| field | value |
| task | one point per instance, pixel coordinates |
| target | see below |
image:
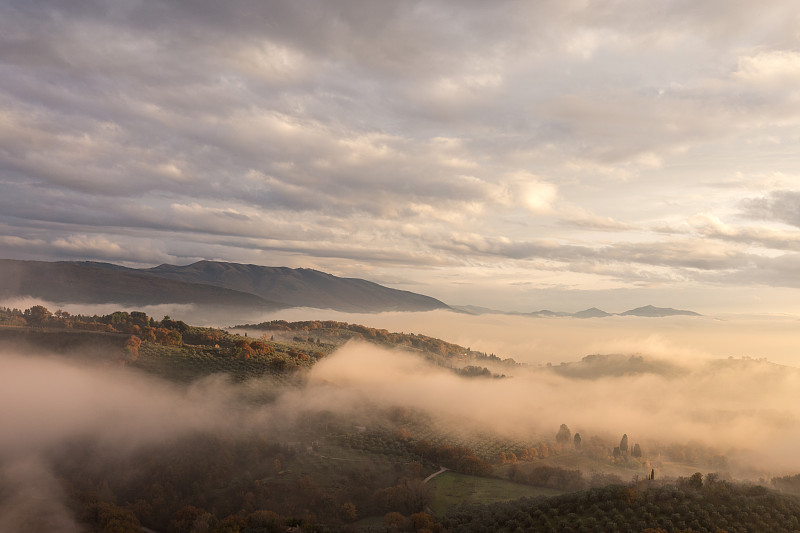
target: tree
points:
(623, 444)
(37, 315)
(696, 481)
(348, 512)
(576, 441)
(189, 519)
(394, 521)
(132, 345)
(563, 435)
(637, 450)
(422, 521)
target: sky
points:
(515, 155)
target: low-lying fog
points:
(743, 405)
(746, 409)
(542, 340)
(532, 339)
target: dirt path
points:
(441, 471)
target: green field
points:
(452, 489)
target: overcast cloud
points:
(500, 154)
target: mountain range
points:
(592, 312)
(235, 285)
(205, 283)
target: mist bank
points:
(744, 409)
(536, 340)
(539, 340)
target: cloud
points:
(710, 226)
(324, 132)
(782, 206)
(774, 68)
(579, 217)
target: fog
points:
(536, 340)
(541, 340)
(743, 404)
(745, 408)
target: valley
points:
(240, 431)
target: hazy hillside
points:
(301, 287)
(99, 283)
(591, 313)
(651, 311)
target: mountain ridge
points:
(87, 282)
(205, 283)
(300, 287)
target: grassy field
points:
(452, 488)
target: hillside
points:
(70, 282)
(300, 287)
(691, 505)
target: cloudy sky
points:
(516, 155)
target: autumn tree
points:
(422, 521)
(576, 441)
(348, 512)
(261, 348)
(132, 346)
(394, 521)
(623, 444)
(37, 315)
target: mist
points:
(743, 407)
(527, 339)
(539, 340)
(746, 407)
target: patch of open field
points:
(452, 489)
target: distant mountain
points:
(592, 312)
(71, 282)
(475, 310)
(650, 311)
(478, 310)
(547, 313)
(205, 283)
(300, 287)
